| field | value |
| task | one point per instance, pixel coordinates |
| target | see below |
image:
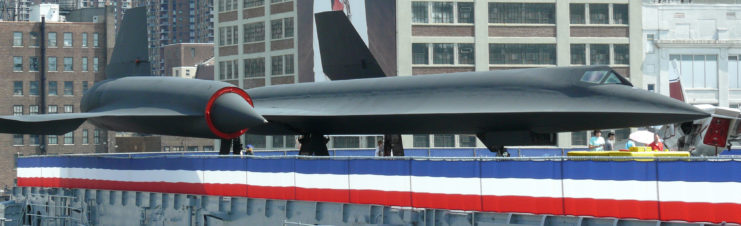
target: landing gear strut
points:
(234, 144)
(392, 145)
(313, 144)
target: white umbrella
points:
(642, 136)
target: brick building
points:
(261, 43)
(46, 69)
(182, 59)
(176, 21)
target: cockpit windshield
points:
(603, 77)
(613, 79)
(594, 77)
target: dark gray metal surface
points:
(344, 54)
(542, 100)
(158, 105)
(130, 55)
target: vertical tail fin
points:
(344, 54)
(675, 84)
(130, 54)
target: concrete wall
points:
(692, 29)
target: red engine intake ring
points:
(210, 104)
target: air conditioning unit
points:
(95, 19)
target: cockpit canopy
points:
(601, 77)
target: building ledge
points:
(703, 43)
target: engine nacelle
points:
(172, 106)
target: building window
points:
(208, 148)
(17, 110)
(84, 64)
(84, 39)
(621, 53)
(33, 109)
(84, 87)
(34, 38)
(467, 141)
(599, 14)
(258, 141)
(68, 64)
(52, 109)
(96, 136)
(52, 63)
(228, 36)
(522, 54)
(95, 64)
(85, 137)
(599, 54)
(69, 138)
(67, 39)
(192, 148)
(68, 88)
(52, 88)
(277, 65)
(465, 12)
(421, 140)
(578, 54)
(444, 140)
(33, 88)
(53, 140)
(288, 27)
(95, 39)
(579, 138)
(620, 13)
(466, 54)
(17, 88)
(17, 64)
(338, 142)
(52, 39)
(68, 108)
(442, 12)
(35, 140)
(227, 5)
(577, 14)
(253, 3)
(17, 38)
(419, 12)
(697, 71)
(442, 53)
(17, 139)
(33, 63)
(522, 13)
(276, 29)
(420, 53)
(289, 64)
(254, 32)
(228, 69)
(254, 67)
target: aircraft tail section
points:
(130, 54)
(344, 54)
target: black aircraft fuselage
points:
(544, 100)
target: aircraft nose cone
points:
(648, 108)
(231, 113)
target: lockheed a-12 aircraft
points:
(507, 107)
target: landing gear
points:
(392, 145)
(226, 144)
(313, 144)
(235, 145)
